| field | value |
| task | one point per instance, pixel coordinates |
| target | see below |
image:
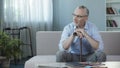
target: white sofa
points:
(47, 46)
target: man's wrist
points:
(86, 35)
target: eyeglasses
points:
(79, 16)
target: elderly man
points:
(80, 30)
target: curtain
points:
(35, 14)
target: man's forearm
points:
(94, 43)
(67, 42)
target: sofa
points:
(47, 46)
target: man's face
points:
(79, 17)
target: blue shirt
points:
(92, 31)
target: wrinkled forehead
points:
(80, 11)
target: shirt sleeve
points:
(96, 35)
(64, 36)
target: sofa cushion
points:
(32, 62)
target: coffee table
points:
(86, 65)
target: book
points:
(115, 10)
(107, 23)
(95, 67)
(110, 10)
(110, 22)
(84, 64)
(75, 64)
(114, 22)
(51, 67)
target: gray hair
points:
(83, 7)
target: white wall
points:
(63, 10)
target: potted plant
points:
(9, 48)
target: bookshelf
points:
(113, 15)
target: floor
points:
(19, 64)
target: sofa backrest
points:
(47, 42)
(111, 40)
